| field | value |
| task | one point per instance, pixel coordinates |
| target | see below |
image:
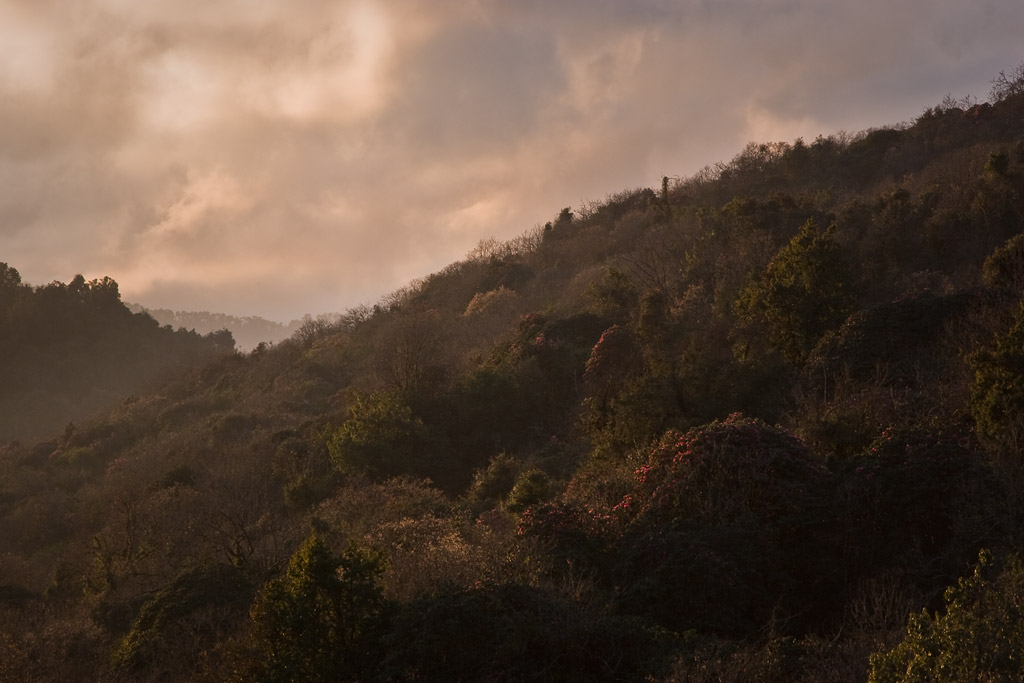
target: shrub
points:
(738, 509)
(730, 471)
(182, 618)
(920, 499)
(1004, 267)
(979, 637)
(512, 633)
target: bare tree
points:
(1007, 85)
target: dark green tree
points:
(183, 618)
(997, 397)
(806, 290)
(1005, 266)
(382, 438)
(313, 623)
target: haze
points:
(276, 158)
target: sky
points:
(283, 157)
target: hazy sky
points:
(277, 157)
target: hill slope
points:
(68, 351)
(743, 425)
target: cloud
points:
(259, 156)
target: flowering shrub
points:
(613, 353)
(726, 471)
(556, 521)
(533, 339)
(571, 535)
(727, 524)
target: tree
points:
(183, 618)
(806, 290)
(1007, 85)
(382, 438)
(10, 286)
(1004, 267)
(997, 397)
(312, 624)
(411, 355)
(10, 278)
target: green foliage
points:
(997, 396)
(614, 294)
(998, 203)
(312, 623)
(639, 411)
(979, 636)
(492, 483)
(532, 487)
(382, 438)
(184, 617)
(1005, 266)
(543, 363)
(493, 409)
(806, 290)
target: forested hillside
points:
(68, 351)
(761, 424)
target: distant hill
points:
(248, 331)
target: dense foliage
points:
(758, 425)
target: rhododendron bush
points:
(724, 524)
